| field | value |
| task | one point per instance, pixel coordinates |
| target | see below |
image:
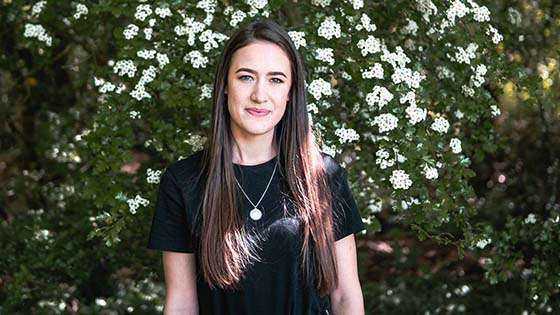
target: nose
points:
(259, 94)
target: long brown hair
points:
(226, 248)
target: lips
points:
(259, 112)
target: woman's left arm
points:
(347, 298)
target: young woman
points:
(259, 221)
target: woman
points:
(260, 221)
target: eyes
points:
(248, 77)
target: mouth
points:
(257, 112)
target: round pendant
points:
(255, 214)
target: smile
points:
(257, 112)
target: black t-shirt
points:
(274, 285)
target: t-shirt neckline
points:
(263, 164)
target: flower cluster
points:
(366, 24)
(496, 36)
(415, 114)
(206, 92)
(455, 145)
(375, 71)
(125, 67)
(400, 179)
(495, 110)
(298, 38)
(237, 17)
(371, 45)
(162, 60)
(197, 59)
(430, 172)
(325, 55)
(478, 78)
(440, 125)
(146, 54)
(134, 204)
(463, 55)
(346, 135)
(319, 87)
(38, 7)
(81, 9)
(385, 122)
(153, 176)
(482, 243)
(148, 75)
(37, 31)
(257, 4)
(481, 14)
(380, 96)
(135, 114)
(411, 28)
(143, 11)
(329, 28)
(530, 219)
(130, 31)
(163, 12)
(383, 159)
(196, 141)
(322, 3)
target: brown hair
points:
(226, 248)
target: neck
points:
(254, 151)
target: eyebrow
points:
(255, 72)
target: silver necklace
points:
(256, 213)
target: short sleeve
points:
(346, 216)
(170, 230)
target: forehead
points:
(261, 56)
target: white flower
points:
(514, 16)
(467, 90)
(366, 24)
(481, 14)
(322, 3)
(380, 96)
(107, 87)
(319, 87)
(125, 67)
(459, 114)
(153, 176)
(206, 91)
(398, 59)
(298, 38)
(400, 179)
(38, 8)
(135, 115)
(495, 110)
(383, 159)
(237, 17)
(411, 28)
(130, 31)
(196, 141)
(135, 203)
(257, 4)
(146, 54)
(139, 92)
(148, 75)
(482, 243)
(415, 114)
(37, 31)
(385, 122)
(457, 9)
(411, 78)
(445, 73)
(346, 135)
(409, 97)
(375, 71)
(427, 8)
(496, 36)
(163, 12)
(430, 172)
(81, 9)
(329, 28)
(356, 4)
(455, 145)
(440, 125)
(148, 31)
(478, 78)
(162, 60)
(465, 55)
(371, 45)
(312, 108)
(143, 11)
(196, 58)
(530, 219)
(325, 55)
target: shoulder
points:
(187, 168)
(332, 167)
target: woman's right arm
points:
(180, 282)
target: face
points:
(258, 86)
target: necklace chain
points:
(264, 193)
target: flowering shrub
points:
(403, 93)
